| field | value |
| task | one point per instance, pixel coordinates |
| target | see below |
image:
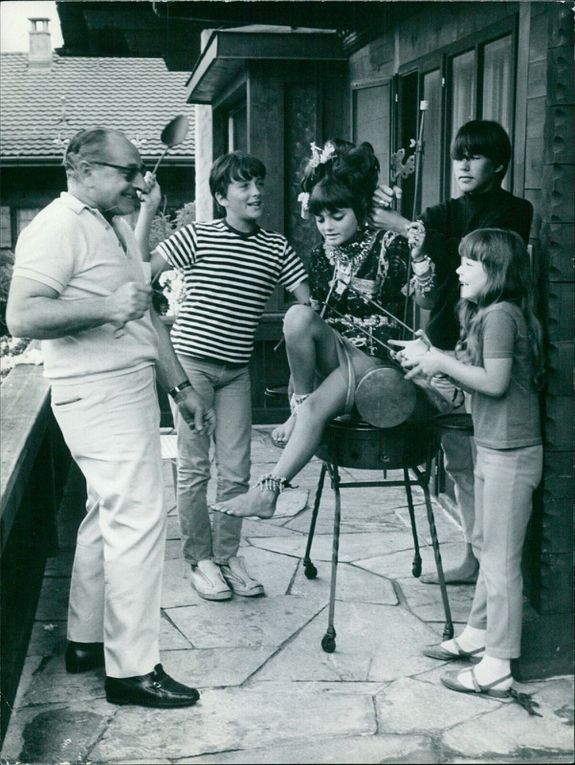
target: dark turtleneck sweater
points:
(446, 224)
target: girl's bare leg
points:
(310, 348)
(326, 402)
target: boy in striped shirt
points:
(230, 268)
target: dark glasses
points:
(128, 171)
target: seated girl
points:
(334, 342)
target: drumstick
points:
(381, 308)
(361, 329)
(423, 107)
(332, 283)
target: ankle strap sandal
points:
(275, 483)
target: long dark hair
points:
(504, 257)
(347, 179)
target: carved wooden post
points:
(548, 637)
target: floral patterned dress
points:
(372, 266)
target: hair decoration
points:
(303, 199)
(321, 156)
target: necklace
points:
(346, 259)
(349, 257)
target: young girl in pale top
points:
(499, 361)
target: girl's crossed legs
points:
(312, 353)
(312, 348)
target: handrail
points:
(24, 416)
(34, 466)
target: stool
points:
(356, 444)
(278, 392)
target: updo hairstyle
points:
(346, 179)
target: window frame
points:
(442, 59)
(365, 84)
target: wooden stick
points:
(361, 329)
(423, 106)
(381, 308)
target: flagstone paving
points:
(269, 693)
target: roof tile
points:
(41, 109)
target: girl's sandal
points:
(441, 654)
(451, 680)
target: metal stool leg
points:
(424, 483)
(308, 568)
(439, 478)
(328, 640)
(416, 565)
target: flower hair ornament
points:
(303, 199)
(319, 156)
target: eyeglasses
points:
(128, 171)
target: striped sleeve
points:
(293, 271)
(179, 250)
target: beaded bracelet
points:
(421, 267)
(423, 285)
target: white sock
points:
(469, 640)
(473, 636)
(491, 668)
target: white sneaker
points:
(240, 581)
(208, 581)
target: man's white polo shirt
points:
(72, 248)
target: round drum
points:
(356, 444)
(384, 397)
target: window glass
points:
(431, 159)
(23, 217)
(5, 228)
(463, 92)
(372, 122)
(497, 82)
(497, 100)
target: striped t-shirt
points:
(228, 278)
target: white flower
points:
(315, 154)
(321, 156)
(303, 199)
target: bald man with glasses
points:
(81, 287)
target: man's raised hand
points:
(128, 302)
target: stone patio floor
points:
(269, 693)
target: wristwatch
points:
(173, 392)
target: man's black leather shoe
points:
(156, 689)
(81, 657)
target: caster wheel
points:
(416, 568)
(328, 644)
(310, 570)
